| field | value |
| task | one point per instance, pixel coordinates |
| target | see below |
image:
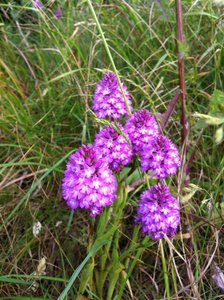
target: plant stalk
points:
(109, 55)
(165, 272)
(182, 83)
(170, 109)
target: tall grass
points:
(49, 68)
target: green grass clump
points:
(49, 68)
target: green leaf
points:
(183, 48)
(218, 214)
(86, 277)
(190, 191)
(201, 124)
(23, 298)
(74, 276)
(210, 120)
(33, 187)
(217, 101)
(14, 281)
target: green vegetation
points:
(49, 68)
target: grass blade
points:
(32, 189)
(79, 269)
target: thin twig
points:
(165, 272)
(195, 282)
(182, 83)
(165, 14)
(193, 153)
(2, 186)
(170, 109)
(109, 55)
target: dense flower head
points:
(140, 128)
(158, 212)
(88, 182)
(113, 147)
(108, 100)
(161, 156)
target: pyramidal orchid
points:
(108, 100)
(88, 182)
(113, 147)
(140, 128)
(158, 212)
(160, 156)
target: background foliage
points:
(49, 68)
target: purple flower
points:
(161, 156)
(58, 13)
(140, 128)
(108, 100)
(88, 182)
(158, 212)
(113, 147)
(37, 4)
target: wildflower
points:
(108, 100)
(161, 156)
(140, 128)
(58, 13)
(88, 182)
(158, 212)
(37, 4)
(113, 147)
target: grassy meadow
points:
(49, 68)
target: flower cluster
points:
(161, 156)
(88, 182)
(158, 212)
(108, 100)
(113, 147)
(140, 128)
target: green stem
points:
(113, 269)
(70, 221)
(174, 279)
(102, 222)
(147, 180)
(165, 273)
(72, 279)
(132, 246)
(116, 266)
(109, 55)
(131, 268)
